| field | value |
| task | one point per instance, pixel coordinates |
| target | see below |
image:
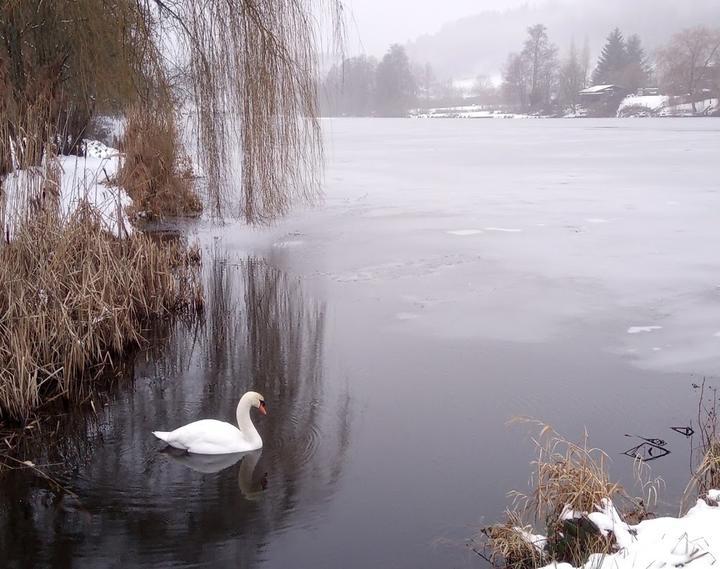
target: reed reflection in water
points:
(137, 505)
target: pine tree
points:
(395, 88)
(638, 71)
(613, 61)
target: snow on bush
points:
(692, 540)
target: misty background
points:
(461, 39)
(549, 58)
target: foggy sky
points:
(462, 39)
(375, 24)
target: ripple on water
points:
(301, 440)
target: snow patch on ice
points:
(503, 229)
(407, 316)
(288, 244)
(597, 220)
(642, 329)
(464, 232)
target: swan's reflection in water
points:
(138, 507)
(250, 485)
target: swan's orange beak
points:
(263, 408)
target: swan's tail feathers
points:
(162, 435)
(167, 437)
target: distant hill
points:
(480, 44)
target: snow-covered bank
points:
(464, 112)
(631, 106)
(653, 543)
(664, 106)
(85, 179)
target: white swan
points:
(209, 436)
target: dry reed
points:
(508, 547)
(154, 171)
(74, 298)
(707, 473)
(569, 478)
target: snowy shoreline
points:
(653, 543)
(83, 179)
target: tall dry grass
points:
(707, 472)
(568, 477)
(154, 171)
(74, 298)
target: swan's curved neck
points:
(244, 421)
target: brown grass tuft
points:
(707, 473)
(73, 299)
(155, 172)
(568, 476)
(508, 548)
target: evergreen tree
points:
(349, 88)
(638, 71)
(395, 88)
(613, 61)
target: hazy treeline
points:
(362, 86)
(536, 79)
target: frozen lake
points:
(458, 274)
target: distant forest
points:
(535, 80)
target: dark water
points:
(394, 331)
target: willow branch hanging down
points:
(247, 65)
(252, 83)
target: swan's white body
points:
(209, 436)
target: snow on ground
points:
(660, 105)
(633, 105)
(706, 106)
(652, 103)
(690, 541)
(464, 112)
(83, 179)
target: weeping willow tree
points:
(244, 69)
